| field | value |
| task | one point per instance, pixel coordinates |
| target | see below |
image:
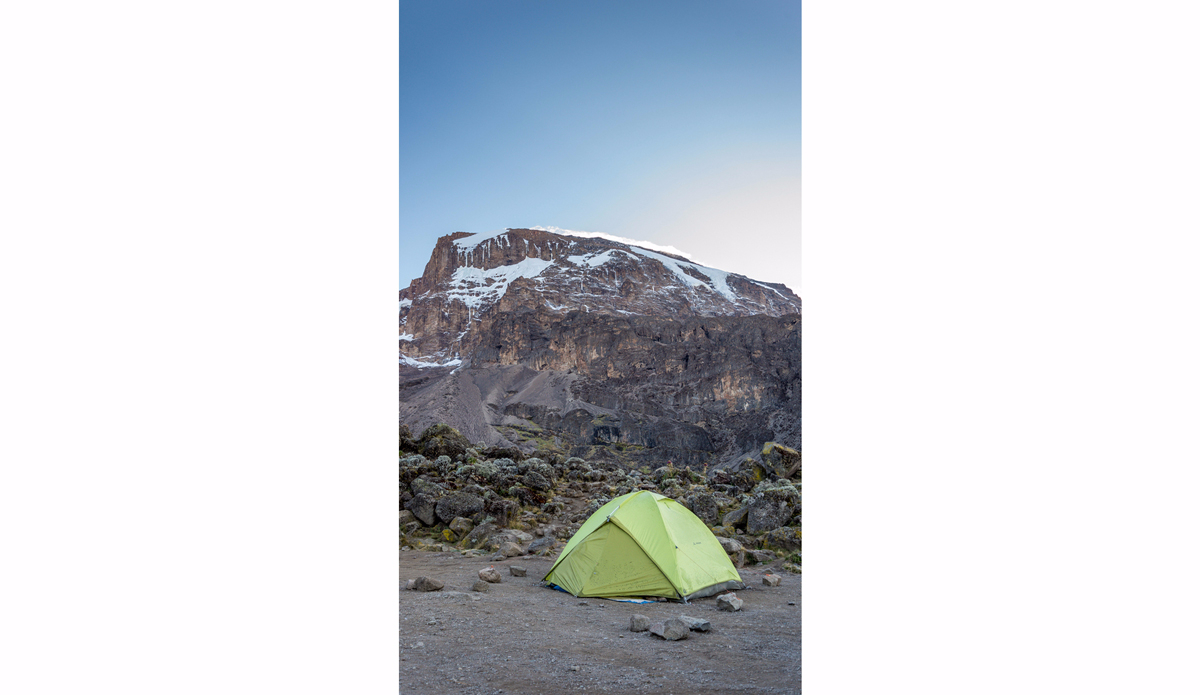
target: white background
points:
(197, 288)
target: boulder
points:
(410, 585)
(736, 518)
(427, 584)
(510, 549)
(541, 545)
(536, 480)
(442, 440)
(704, 506)
(516, 571)
(461, 526)
(639, 623)
(670, 629)
(771, 579)
(761, 556)
(478, 537)
(783, 461)
(697, 624)
(729, 602)
(424, 507)
(406, 517)
(771, 509)
(786, 538)
(458, 504)
(490, 575)
(480, 585)
(730, 545)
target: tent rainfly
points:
(644, 544)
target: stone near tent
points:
(771, 509)
(541, 545)
(761, 556)
(697, 624)
(489, 574)
(510, 549)
(516, 571)
(410, 585)
(772, 579)
(736, 518)
(670, 629)
(461, 526)
(639, 623)
(480, 585)
(729, 602)
(729, 544)
(428, 584)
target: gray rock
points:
(424, 507)
(540, 545)
(510, 549)
(762, 555)
(697, 624)
(489, 574)
(736, 518)
(704, 506)
(772, 579)
(461, 526)
(771, 509)
(516, 571)
(513, 536)
(729, 602)
(639, 623)
(406, 517)
(786, 538)
(428, 584)
(536, 480)
(478, 536)
(480, 585)
(458, 504)
(411, 527)
(729, 544)
(410, 585)
(670, 629)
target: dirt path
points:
(521, 638)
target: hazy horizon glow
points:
(673, 123)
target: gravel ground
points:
(522, 638)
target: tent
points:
(643, 544)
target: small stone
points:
(480, 586)
(573, 668)
(516, 571)
(582, 603)
(791, 603)
(427, 584)
(489, 574)
(697, 624)
(410, 585)
(729, 602)
(639, 623)
(510, 549)
(670, 629)
(772, 579)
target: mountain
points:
(592, 347)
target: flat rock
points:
(516, 571)
(489, 574)
(729, 602)
(427, 584)
(670, 629)
(772, 579)
(480, 586)
(639, 623)
(697, 624)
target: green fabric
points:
(641, 544)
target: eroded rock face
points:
(596, 344)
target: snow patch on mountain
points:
(407, 337)
(476, 286)
(619, 239)
(476, 238)
(406, 360)
(595, 260)
(717, 277)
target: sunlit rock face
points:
(590, 346)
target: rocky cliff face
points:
(591, 347)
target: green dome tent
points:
(644, 544)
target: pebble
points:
(697, 624)
(480, 585)
(516, 571)
(772, 579)
(729, 602)
(489, 574)
(639, 623)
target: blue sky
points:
(672, 122)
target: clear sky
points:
(671, 122)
